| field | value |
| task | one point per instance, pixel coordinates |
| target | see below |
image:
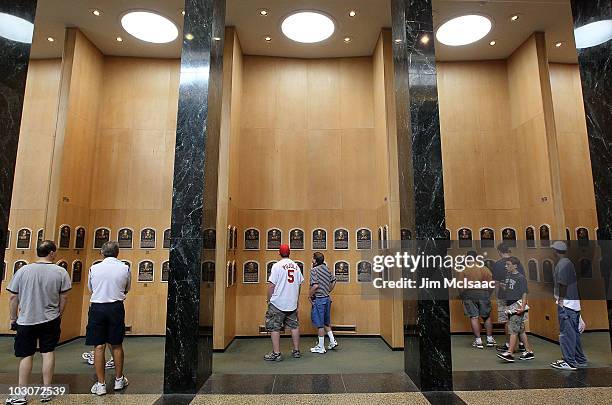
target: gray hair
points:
(110, 249)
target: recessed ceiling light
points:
(149, 27)
(50, 39)
(216, 39)
(559, 44)
(397, 41)
(183, 12)
(96, 12)
(189, 37)
(515, 17)
(263, 12)
(268, 39)
(425, 39)
(15, 28)
(347, 39)
(119, 39)
(352, 13)
(308, 27)
(492, 43)
(593, 34)
(464, 30)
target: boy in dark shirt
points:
(515, 294)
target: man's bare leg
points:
(276, 342)
(48, 367)
(295, 336)
(100, 362)
(25, 369)
(118, 357)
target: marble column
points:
(427, 339)
(14, 60)
(596, 77)
(188, 357)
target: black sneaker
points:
(521, 348)
(506, 357)
(527, 356)
(273, 357)
(477, 344)
(503, 348)
(296, 354)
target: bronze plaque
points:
(586, 269)
(544, 237)
(530, 237)
(380, 237)
(251, 239)
(487, 238)
(364, 272)
(465, 237)
(208, 271)
(385, 237)
(547, 271)
(405, 234)
(509, 236)
(342, 272)
(165, 271)
(40, 237)
(125, 238)
(250, 273)
(300, 265)
(582, 234)
(341, 239)
(209, 241)
(63, 264)
(77, 271)
(269, 269)
(146, 272)
(24, 238)
(273, 241)
(166, 239)
(532, 267)
(101, 236)
(228, 270)
(64, 239)
(234, 272)
(235, 245)
(230, 238)
(79, 240)
(364, 239)
(18, 264)
(147, 238)
(319, 239)
(296, 239)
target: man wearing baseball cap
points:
(283, 295)
(568, 309)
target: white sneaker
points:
(317, 349)
(16, 400)
(98, 389)
(332, 345)
(121, 383)
(110, 364)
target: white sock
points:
(490, 338)
(322, 341)
(331, 337)
(478, 340)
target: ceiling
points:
(550, 16)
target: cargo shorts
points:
(276, 320)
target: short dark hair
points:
(110, 249)
(45, 248)
(514, 261)
(319, 258)
(504, 248)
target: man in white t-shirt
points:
(283, 295)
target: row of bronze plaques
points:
(274, 238)
(342, 271)
(487, 236)
(146, 270)
(125, 238)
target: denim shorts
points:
(321, 312)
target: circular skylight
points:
(308, 27)
(149, 27)
(15, 28)
(593, 34)
(463, 30)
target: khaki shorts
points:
(516, 324)
(502, 316)
(276, 320)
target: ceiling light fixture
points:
(308, 27)
(425, 39)
(398, 41)
(119, 39)
(515, 18)
(347, 39)
(149, 27)
(559, 44)
(189, 37)
(593, 34)
(183, 12)
(352, 13)
(492, 43)
(268, 39)
(96, 12)
(464, 30)
(50, 39)
(263, 12)
(15, 28)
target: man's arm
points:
(332, 286)
(62, 303)
(128, 284)
(271, 287)
(13, 306)
(313, 289)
